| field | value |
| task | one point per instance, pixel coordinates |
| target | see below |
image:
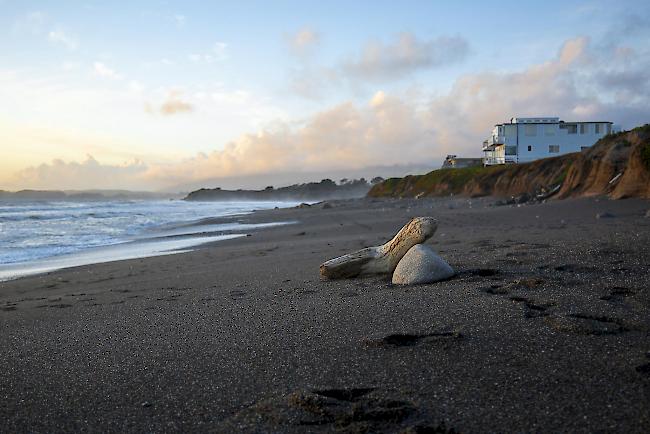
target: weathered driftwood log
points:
(381, 259)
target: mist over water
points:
(34, 231)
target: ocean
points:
(43, 236)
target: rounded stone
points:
(421, 265)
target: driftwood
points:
(381, 259)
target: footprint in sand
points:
(411, 339)
(618, 294)
(532, 309)
(237, 294)
(587, 324)
(362, 409)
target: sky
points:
(162, 95)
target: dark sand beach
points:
(544, 329)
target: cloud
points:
(392, 128)
(106, 72)
(173, 104)
(377, 62)
(345, 136)
(303, 41)
(569, 86)
(405, 128)
(405, 55)
(88, 174)
(218, 53)
(60, 37)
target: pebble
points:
(421, 265)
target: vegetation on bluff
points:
(592, 172)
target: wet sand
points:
(545, 328)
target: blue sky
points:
(153, 94)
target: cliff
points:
(618, 165)
(592, 172)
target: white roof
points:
(535, 120)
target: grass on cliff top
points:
(456, 179)
(451, 180)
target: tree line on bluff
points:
(325, 189)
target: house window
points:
(584, 128)
(530, 148)
(549, 130)
(530, 130)
(599, 128)
(609, 128)
(553, 149)
(511, 150)
(570, 128)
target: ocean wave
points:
(36, 231)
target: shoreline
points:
(168, 239)
(544, 328)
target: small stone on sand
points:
(421, 265)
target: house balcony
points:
(493, 141)
(492, 161)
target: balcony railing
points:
(490, 161)
(494, 140)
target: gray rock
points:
(647, 213)
(605, 215)
(421, 265)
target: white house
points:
(528, 139)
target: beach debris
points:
(421, 265)
(380, 259)
(614, 179)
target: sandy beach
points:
(543, 329)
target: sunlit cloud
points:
(579, 82)
(303, 41)
(173, 104)
(88, 174)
